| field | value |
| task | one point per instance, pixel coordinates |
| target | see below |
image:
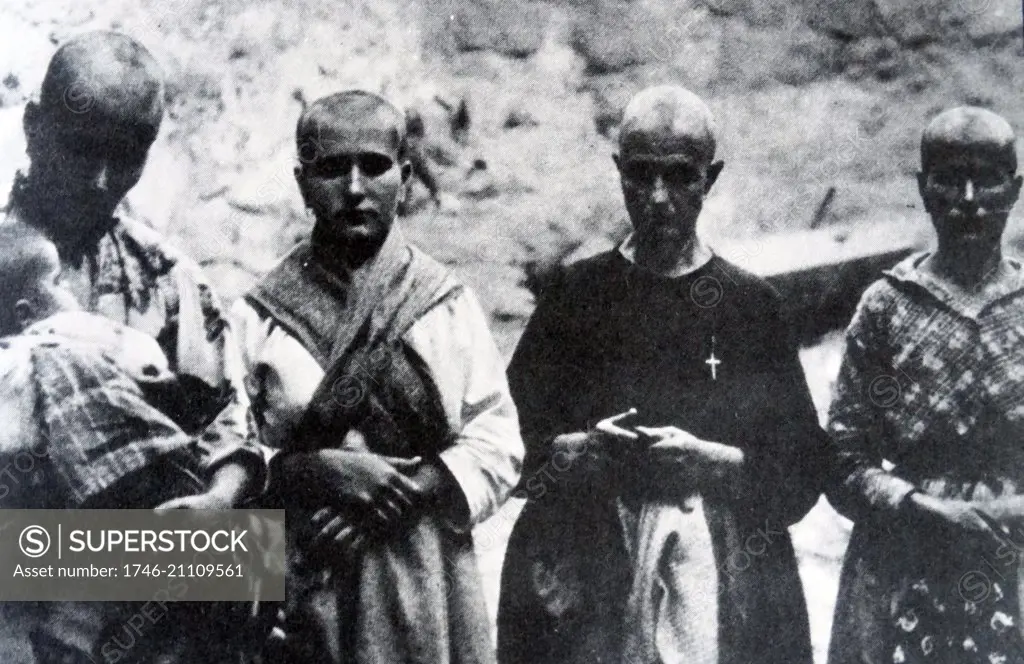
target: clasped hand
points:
(372, 495)
(662, 445)
(955, 519)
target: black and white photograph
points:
(511, 332)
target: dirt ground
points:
(811, 96)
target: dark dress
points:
(607, 337)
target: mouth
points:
(355, 219)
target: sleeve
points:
(858, 485)
(541, 376)
(251, 333)
(486, 459)
(206, 351)
(20, 430)
(784, 475)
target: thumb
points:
(173, 504)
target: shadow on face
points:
(85, 166)
(968, 190)
(352, 172)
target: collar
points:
(1006, 282)
(702, 256)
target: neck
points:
(966, 266)
(669, 257)
(74, 233)
(344, 258)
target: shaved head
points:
(104, 77)
(26, 258)
(969, 128)
(667, 120)
(351, 173)
(88, 136)
(347, 119)
(968, 183)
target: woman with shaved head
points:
(928, 421)
(378, 388)
(88, 136)
(662, 539)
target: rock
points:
(809, 57)
(990, 19)
(515, 29)
(917, 22)
(614, 35)
(848, 19)
(479, 185)
(518, 117)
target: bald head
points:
(27, 258)
(351, 121)
(667, 120)
(104, 77)
(969, 129)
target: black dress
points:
(711, 354)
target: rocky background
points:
(820, 105)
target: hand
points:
(956, 518)
(373, 484)
(681, 448)
(336, 534)
(590, 450)
(209, 500)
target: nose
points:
(969, 191)
(659, 192)
(356, 183)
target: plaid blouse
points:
(932, 381)
(133, 276)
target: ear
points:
(714, 170)
(300, 180)
(31, 124)
(922, 187)
(403, 191)
(24, 314)
(1018, 182)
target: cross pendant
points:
(713, 361)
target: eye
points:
(946, 178)
(332, 167)
(989, 179)
(373, 164)
(681, 175)
(638, 171)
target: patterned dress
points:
(930, 397)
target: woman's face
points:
(969, 191)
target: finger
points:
(403, 489)
(382, 518)
(357, 544)
(615, 419)
(173, 504)
(401, 463)
(661, 432)
(610, 425)
(348, 539)
(329, 531)
(391, 507)
(321, 515)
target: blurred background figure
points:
(415, 136)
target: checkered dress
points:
(930, 397)
(95, 426)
